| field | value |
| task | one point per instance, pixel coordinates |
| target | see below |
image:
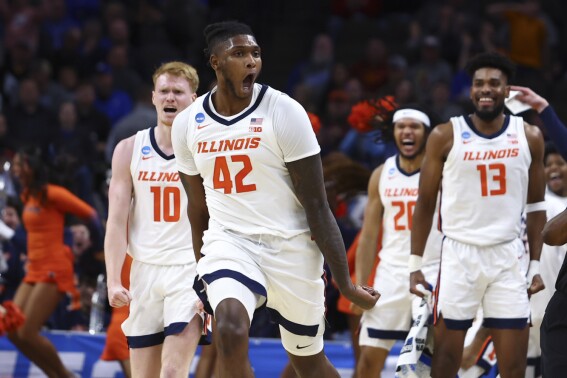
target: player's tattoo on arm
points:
(307, 178)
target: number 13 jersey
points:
(158, 227)
(485, 183)
(242, 160)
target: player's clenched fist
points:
(364, 297)
(118, 296)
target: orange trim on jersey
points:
(483, 349)
(436, 291)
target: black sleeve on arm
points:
(556, 130)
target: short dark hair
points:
(221, 31)
(492, 60)
(550, 149)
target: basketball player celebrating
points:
(147, 217)
(250, 164)
(487, 164)
(392, 193)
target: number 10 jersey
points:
(158, 226)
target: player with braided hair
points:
(261, 224)
(392, 193)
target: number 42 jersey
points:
(242, 160)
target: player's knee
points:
(22, 335)
(231, 335)
(368, 364)
(171, 370)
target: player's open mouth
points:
(486, 101)
(248, 81)
(407, 142)
(555, 177)
(170, 109)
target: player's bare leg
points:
(146, 362)
(511, 347)
(179, 350)
(314, 366)
(231, 339)
(37, 303)
(371, 361)
(448, 350)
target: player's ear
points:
(507, 91)
(214, 62)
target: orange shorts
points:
(57, 270)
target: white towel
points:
(412, 362)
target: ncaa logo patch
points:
(391, 171)
(146, 150)
(199, 117)
(466, 135)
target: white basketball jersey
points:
(242, 160)
(485, 183)
(398, 193)
(158, 226)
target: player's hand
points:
(536, 285)
(118, 296)
(200, 306)
(356, 310)
(529, 97)
(417, 278)
(365, 297)
(469, 357)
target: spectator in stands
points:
(372, 68)
(441, 103)
(315, 72)
(555, 173)
(51, 94)
(113, 102)
(430, 68)
(141, 117)
(13, 249)
(125, 78)
(74, 141)
(29, 122)
(93, 120)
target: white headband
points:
(412, 113)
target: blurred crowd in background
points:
(75, 78)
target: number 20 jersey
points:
(398, 194)
(242, 160)
(485, 183)
(158, 227)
